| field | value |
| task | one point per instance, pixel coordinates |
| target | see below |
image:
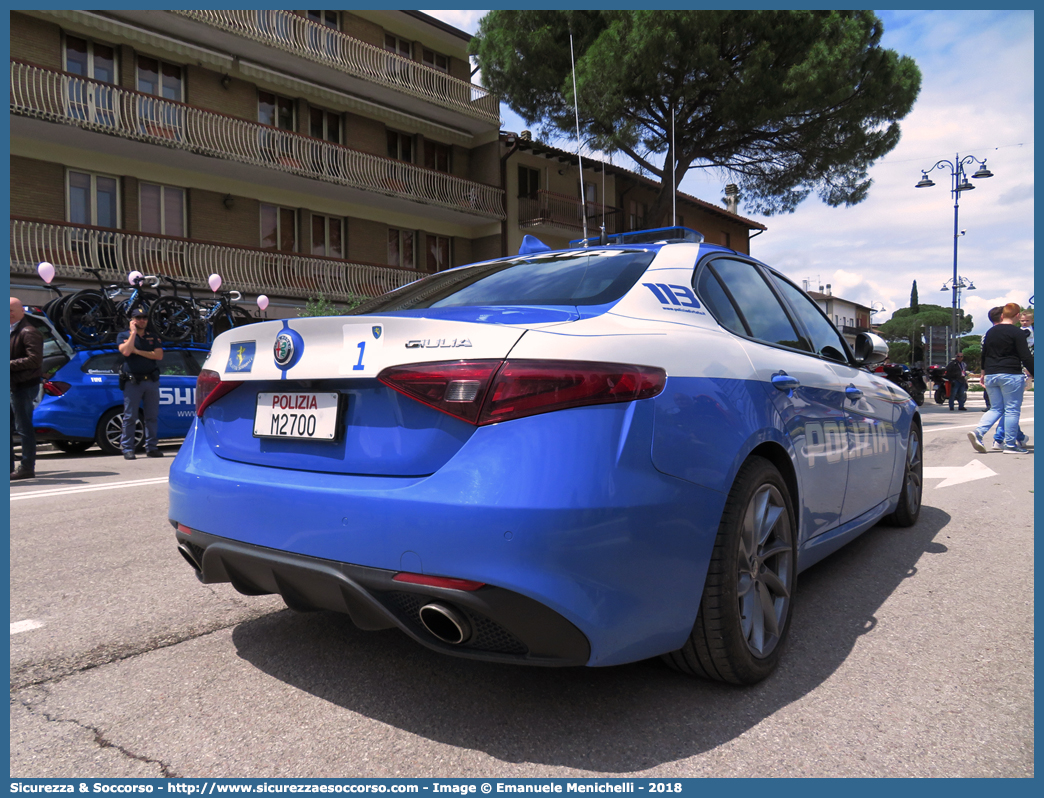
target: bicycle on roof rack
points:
(176, 319)
(93, 316)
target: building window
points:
(162, 209)
(93, 199)
(275, 110)
(325, 125)
(160, 78)
(400, 247)
(95, 61)
(327, 236)
(636, 217)
(437, 156)
(528, 182)
(327, 18)
(436, 60)
(400, 146)
(438, 253)
(90, 59)
(278, 228)
(726, 239)
(394, 44)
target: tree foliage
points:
(915, 306)
(783, 102)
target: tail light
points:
(55, 388)
(488, 391)
(210, 388)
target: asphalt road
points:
(911, 654)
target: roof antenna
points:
(576, 110)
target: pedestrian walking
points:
(26, 374)
(998, 439)
(1005, 354)
(957, 373)
(139, 379)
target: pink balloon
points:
(46, 271)
(214, 282)
(262, 302)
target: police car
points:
(592, 456)
(82, 404)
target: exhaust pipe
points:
(190, 558)
(445, 623)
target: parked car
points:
(56, 350)
(581, 457)
(82, 403)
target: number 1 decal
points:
(363, 347)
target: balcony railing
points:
(561, 210)
(853, 329)
(307, 39)
(92, 105)
(71, 247)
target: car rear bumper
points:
(564, 509)
(501, 625)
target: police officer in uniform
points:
(139, 378)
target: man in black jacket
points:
(957, 373)
(26, 373)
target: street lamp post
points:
(959, 183)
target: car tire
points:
(110, 430)
(909, 508)
(72, 447)
(734, 639)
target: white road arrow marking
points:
(949, 475)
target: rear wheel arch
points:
(778, 456)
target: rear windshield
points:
(565, 278)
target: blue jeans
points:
(958, 392)
(22, 405)
(1005, 392)
(145, 392)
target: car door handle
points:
(853, 393)
(784, 382)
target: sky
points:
(976, 99)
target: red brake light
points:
(55, 388)
(454, 388)
(438, 581)
(488, 391)
(210, 388)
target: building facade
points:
(292, 152)
(849, 317)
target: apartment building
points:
(291, 152)
(849, 317)
(544, 186)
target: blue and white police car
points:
(590, 456)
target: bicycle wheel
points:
(54, 310)
(234, 316)
(171, 318)
(89, 317)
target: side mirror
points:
(870, 348)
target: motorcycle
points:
(910, 380)
(937, 374)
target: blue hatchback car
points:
(82, 403)
(589, 456)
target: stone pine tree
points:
(783, 103)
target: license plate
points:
(298, 415)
